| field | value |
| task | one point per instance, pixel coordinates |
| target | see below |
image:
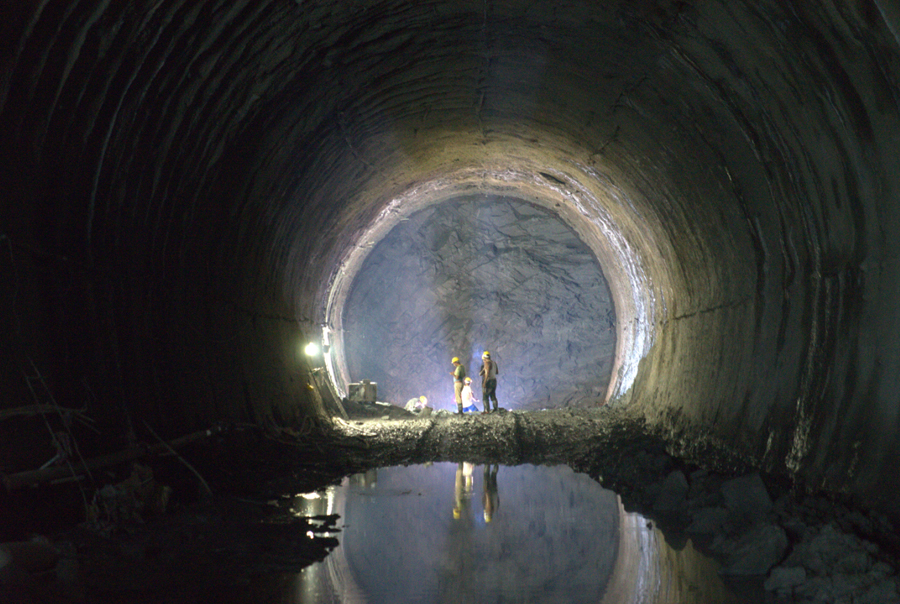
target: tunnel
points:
(675, 207)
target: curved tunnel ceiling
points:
(200, 180)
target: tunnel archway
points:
(481, 273)
(187, 183)
(598, 212)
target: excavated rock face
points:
(482, 274)
(191, 190)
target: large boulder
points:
(747, 497)
(673, 494)
(756, 551)
(707, 521)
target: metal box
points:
(362, 392)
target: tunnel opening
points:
(610, 324)
(191, 190)
(474, 274)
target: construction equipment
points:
(362, 392)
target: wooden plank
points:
(35, 477)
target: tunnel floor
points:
(239, 543)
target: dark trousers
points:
(489, 393)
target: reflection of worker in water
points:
(416, 405)
(459, 375)
(488, 373)
(490, 498)
(468, 397)
(368, 479)
(463, 489)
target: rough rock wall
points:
(470, 275)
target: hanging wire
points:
(181, 459)
(37, 399)
(65, 424)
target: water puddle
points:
(450, 532)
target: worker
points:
(468, 397)
(462, 491)
(459, 376)
(490, 498)
(488, 373)
(416, 405)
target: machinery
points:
(362, 392)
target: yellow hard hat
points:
(423, 399)
(468, 380)
(454, 360)
(485, 355)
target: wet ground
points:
(245, 542)
(458, 532)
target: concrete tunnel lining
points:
(192, 178)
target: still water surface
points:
(450, 532)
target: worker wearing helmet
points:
(488, 373)
(459, 376)
(490, 498)
(468, 397)
(462, 491)
(416, 405)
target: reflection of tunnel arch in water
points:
(648, 570)
(479, 273)
(403, 541)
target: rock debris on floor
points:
(806, 548)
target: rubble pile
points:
(806, 547)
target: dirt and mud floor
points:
(226, 521)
